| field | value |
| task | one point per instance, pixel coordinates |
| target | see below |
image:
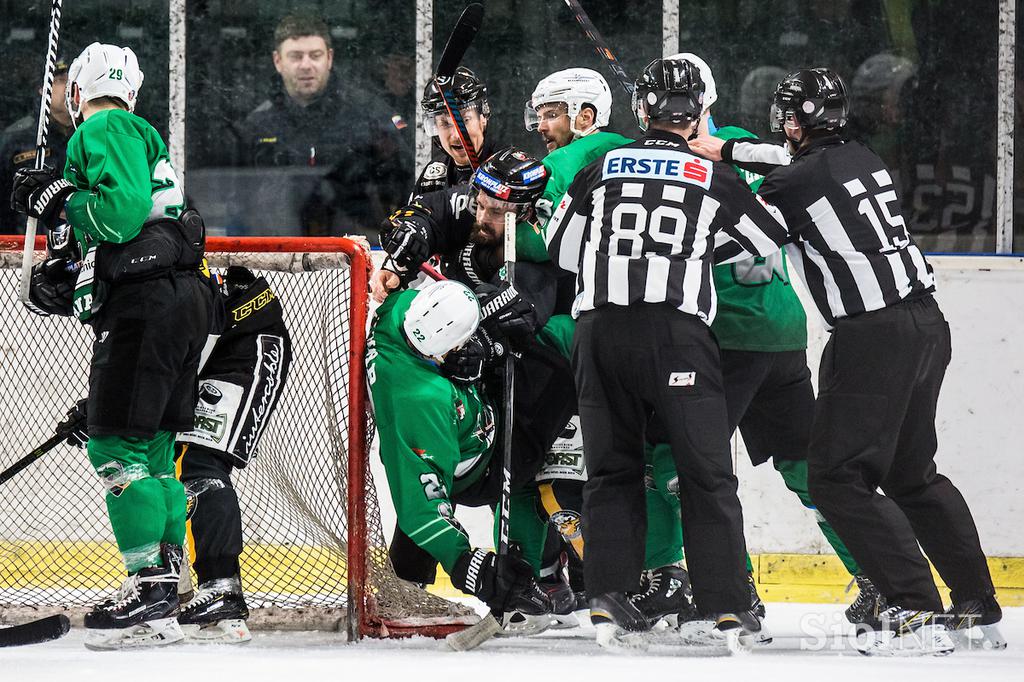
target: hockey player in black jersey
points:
(880, 375)
(239, 387)
(449, 163)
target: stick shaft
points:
(600, 45)
(41, 132)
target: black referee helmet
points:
(668, 90)
(816, 98)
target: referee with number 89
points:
(639, 227)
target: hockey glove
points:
(498, 581)
(76, 424)
(406, 244)
(52, 287)
(505, 312)
(61, 243)
(466, 365)
(40, 194)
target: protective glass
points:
(532, 118)
(441, 124)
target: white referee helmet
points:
(710, 91)
(575, 87)
(103, 71)
(441, 318)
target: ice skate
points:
(905, 632)
(867, 608)
(756, 605)
(667, 594)
(563, 602)
(619, 623)
(140, 615)
(217, 613)
(973, 624)
(529, 614)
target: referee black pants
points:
(629, 363)
(874, 427)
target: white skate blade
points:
(520, 625)
(564, 621)
(985, 637)
(473, 636)
(231, 631)
(153, 633)
(927, 640)
(614, 639)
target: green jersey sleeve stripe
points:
(447, 527)
(425, 526)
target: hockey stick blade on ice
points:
(600, 46)
(474, 635)
(44, 123)
(459, 41)
(35, 632)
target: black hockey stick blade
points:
(35, 632)
(460, 39)
(601, 46)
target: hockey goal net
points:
(314, 557)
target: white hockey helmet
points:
(103, 71)
(441, 318)
(710, 91)
(575, 87)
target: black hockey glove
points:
(466, 365)
(505, 312)
(406, 245)
(40, 194)
(76, 423)
(497, 581)
(61, 243)
(52, 287)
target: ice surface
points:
(801, 631)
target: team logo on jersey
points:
(460, 408)
(682, 379)
(435, 170)
(657, 164)
(568, 522)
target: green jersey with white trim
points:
(436, 437)
(758, 310)
(124, 178)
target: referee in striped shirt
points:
(883, 365)
(639, 228)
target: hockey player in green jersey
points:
(762, 332)
(127, 262)
(437, 440)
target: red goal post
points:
(305, 564)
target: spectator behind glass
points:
(18, 147)
(316, 122)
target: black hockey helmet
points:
(511, 175)
(816, 98)
(668, 90)
(468, 90)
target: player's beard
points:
(485, 235)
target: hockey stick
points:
(600, 46)
(44, 124)
(490, 625)
(462, 35)
(52, 442)
(36, 631)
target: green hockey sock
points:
(161, 466)
(794, 473)
(664, 524)
(526, 528)
(135, 500)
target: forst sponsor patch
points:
(657, 164)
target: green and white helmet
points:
(441, 318)
(103, 71)
(574, 87)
